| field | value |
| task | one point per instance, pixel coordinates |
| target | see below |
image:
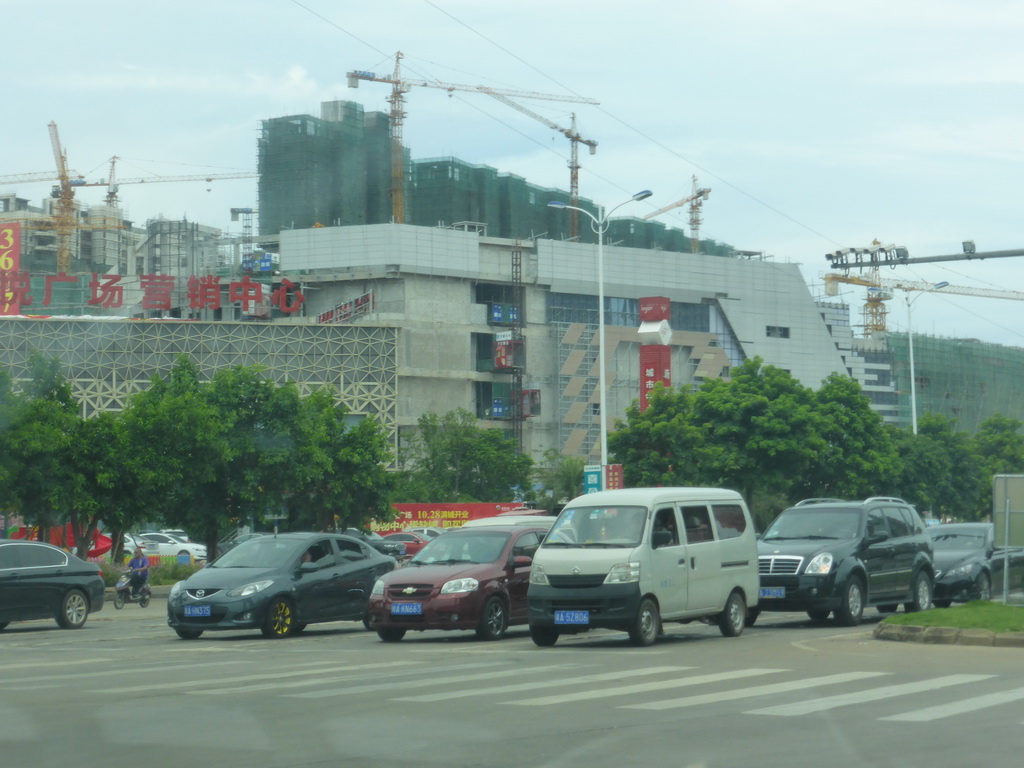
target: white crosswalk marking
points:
(405, 685)
(959, 707)
(872, 694)
(550, 683)
(201, 683)
(760, 690)
(659, 685)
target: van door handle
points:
(682, 562)
(693, 563)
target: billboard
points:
(10, 267)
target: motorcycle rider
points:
(138, 570)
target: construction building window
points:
(777, 332)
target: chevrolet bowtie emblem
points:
(408, 590)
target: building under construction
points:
(335, 170)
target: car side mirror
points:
(521, 561)
(878, 538)
(308, 567)
(661, 539)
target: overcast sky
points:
(817, 125)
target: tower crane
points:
(696, 200)
(401, 86)
(64, 217)
(574, 157)
(112, 183)
(880, 291)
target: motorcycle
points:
(123, 593)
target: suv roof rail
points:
(885, 498)
(822, 500)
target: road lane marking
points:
(958, 707)
(314, 668)
(553, 683)
(872, 694)
(406, 685)
(760, 690)
(658, 685)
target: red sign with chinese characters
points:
(655, 366)
(157, 290)
(10, 263)
(613, 477)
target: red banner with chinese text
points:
(10, 266)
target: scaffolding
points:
(963, 379)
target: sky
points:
(816, 125)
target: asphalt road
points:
(125, 691)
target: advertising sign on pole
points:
(592, 478)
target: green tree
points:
(999, 446)
(560, 478)
(857, 458)
(941, 473)
(451, 459)
(761, 429)
(660, 445)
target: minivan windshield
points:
(814, 523)
(598, 527)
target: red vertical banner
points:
(613, 477)
(10, 264)
(655, 366)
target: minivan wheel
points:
(851, 607)
(922, 595)
(818, 614)
(543, 636)
(647, 624)
(390, 634)
(733, 617)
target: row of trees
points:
(776, 441)
(205, 456)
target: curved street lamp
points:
(910, 348)
(600, 224)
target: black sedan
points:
(392, 548)
(278, 584)
(968, 564)
(39, 581)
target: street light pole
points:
(599, 224)
(910, 349)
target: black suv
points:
(829, 556)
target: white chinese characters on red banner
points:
(655, 366)
(157, 291)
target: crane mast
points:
(401, 86)
(64, 218)
(695, 199)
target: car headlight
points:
(960, 572)
(460, 585)
(623, 573)
(250, 589)
(820, 564)
(175, 590)
(378, 587)
(538, 576)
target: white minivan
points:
(631, 559)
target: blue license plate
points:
(407, 609)
(770, 592)
(197, 610)
(572, 617)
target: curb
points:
(948, 636)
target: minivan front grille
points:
(779, 565)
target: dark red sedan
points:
(472, 578)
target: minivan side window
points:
(729, 520)
(665, 520)
(697, 522)
(897, 523)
